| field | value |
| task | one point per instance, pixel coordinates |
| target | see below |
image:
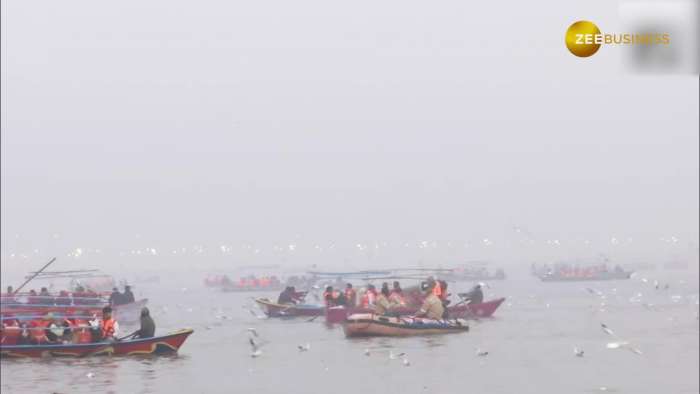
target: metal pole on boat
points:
(34, 276)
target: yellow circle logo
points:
(583, 38)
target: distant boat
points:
(609, 275)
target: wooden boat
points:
(273, 309)
(364, 325)
(157, 345)
(235, 288)
(338, 314)
(609, 275)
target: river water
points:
(530, 344)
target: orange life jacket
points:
(108, 328)
(437, 290)
(350, 296)
(37, 331)
(368, 298)
(333, 296)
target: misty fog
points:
(315, 132)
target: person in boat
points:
(38, 330)
(297, 296)
(45, 297)
(432, 307)
(128, 295)
(286, 297)
(350, 295)
(148, 326)
(24, 337)
(475, 295)
(116, 298)
(383, 305)
(33, 299)
(370, 296)
(333, 298)
(9, 297)
(59, 331)
(107, 328)
(396, 295)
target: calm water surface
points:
(530, 344)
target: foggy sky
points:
(212, 121)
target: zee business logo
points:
(583, 38)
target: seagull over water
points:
(607, 330)
(393, 356)
(619, 344)
(578, 352)
(255, 348)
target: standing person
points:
(350, 296)
(432, 305)
(128, 296)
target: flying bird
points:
(393, 356)
(481, 353)
(255, 348)
(607, 330)
(578, 352)
(304, 348)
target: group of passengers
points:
(52, 329)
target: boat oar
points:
(128, 336)
(34, 276)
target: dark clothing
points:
(476, 296)
(286, 297)
(128, 297)
(148, 328)
(116, 298)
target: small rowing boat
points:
(364, 325)
(273, 309)
(165, 344)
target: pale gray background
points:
(168, 124)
